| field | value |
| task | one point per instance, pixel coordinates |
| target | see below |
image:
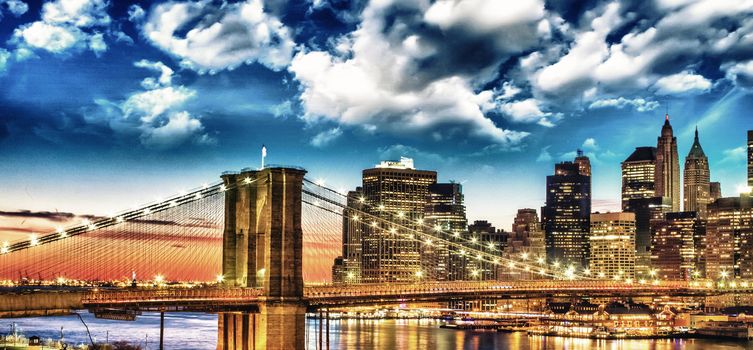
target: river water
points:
(199, 331)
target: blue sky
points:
(105, 105)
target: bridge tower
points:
(263, 248)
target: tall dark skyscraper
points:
(444, 208)
(394, 188)
(750, 158)
(696, 178)
(668, 166)
(638, 172)
(566, 215)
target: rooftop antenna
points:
(263, 155)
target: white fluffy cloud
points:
(741, 73)
(527, 111)
(150, 104)
(179, 128)
(640, 104)
(66, 25)
(50, 37)
(221, 37)
(406, 68)
(157, 114)
(326, 137)
(78, 13)
(165, 78)
(16, 7)
(683, 82)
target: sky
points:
(105, 105)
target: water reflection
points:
(426, 334)
(199, 331)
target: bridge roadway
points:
(373, 294)
(42, 302)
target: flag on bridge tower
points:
(263, 155)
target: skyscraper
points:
(352, 234)
(750, 158)
(715, 191)
(648, 211)
(696, 178)
(488, 235)
(677, 248)
(527, 235)
(566, 214)
(394, 190)
(729, 238)
(638, 172)
(444, 209)
(667, 173)
(526, 240)
(612, 245)
(584, 164)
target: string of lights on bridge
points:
(466, 246)
(429, 235)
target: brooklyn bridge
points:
(246, 235)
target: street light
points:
(220, 278)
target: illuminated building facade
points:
(750, 158)
(696, 179)
(445, 209)
(715, 191)
(491, 240)
(729, 238)
(648, 211)
(398, 192)
(677, 249)
(638, 172)
(667, 172)
(566, 214)
(612, 245)
(527, 235)
(352, 234)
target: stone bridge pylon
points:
(263, 248)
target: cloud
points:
(683, 82)
(221, 37)
(78, 13)
(136, 13)
(544, 155)
(396, 151)
(527, 111)
(179, 128)
(405, 69)
(165, 77)
(741, 73)
(66, 25)
(155, 114)
(324, 138)
(640, 104)
(16, 7)
(735, 155)
(590, 144)
(148, 105)
(52, 216)
(53, 38)
(4, 57)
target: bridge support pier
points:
(263, 248)
(277, 326)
